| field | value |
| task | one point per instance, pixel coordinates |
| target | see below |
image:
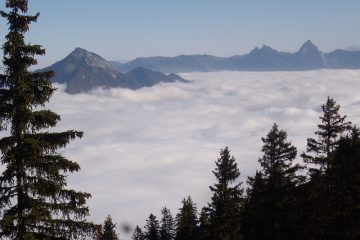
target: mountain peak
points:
(265, 49)
(255, 50)
(82, 71)
(79, 49)
(308, 47)
(82, 56)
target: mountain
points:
(82, 71)
(340, 59)
(353, 48)
(182, 63)
(143, 77)
(308, 57)
(259, 59)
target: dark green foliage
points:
(320, 158)
(167, 229)
(344, 174)
(270, 197)
(138, 234)
(204, 225)
(331, 128)
(186, 221)
(330, 202)
(34, 201)
(334, 197)
(254, 217)
(227, 200)
(108, 230)
(280, 204)
(278, 153)
(152, 228)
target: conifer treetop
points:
(331, 128)
(279, 153)
(35, 202)
(152, 228)
(109, 230)
(227, 200)
(226, 171)
(138, 234)
(167, 229)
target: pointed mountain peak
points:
(308, 43)
(265, 49)
(309, 47)
(79, 49)
(80, 53)
(82, 56)
(256, 49)
(268, 49)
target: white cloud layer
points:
(149, 148)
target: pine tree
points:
(108, 230)
(227, 200)
(204, 225)
(186, 221)
(254, 219)
(152, 228)
(281, 179)
(138, 234)
(332, 127)
(319, 156)
(167, 229)
(344, 195)
(277, 161)
(34, 200)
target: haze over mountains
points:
(82, 71)
(308, 57)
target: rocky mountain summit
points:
(82, 71)
(308, 57)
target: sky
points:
(152, 147)
(126, 29)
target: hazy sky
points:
(125, 29)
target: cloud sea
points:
(152, 147)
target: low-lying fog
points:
(152, 147)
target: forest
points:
(317, 197)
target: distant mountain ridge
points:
(308, 57)
(82, 71)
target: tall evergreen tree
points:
(272, 190)
(204, 225)
(320, 157)
(152, 228)
(254, 217)
(332, 127)
(332, 202)
(34, 200)
(138, 234)
(108, 230)
(344, 195)
(279, 154)
(227, 200)
(186, 221)
(167, 229)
